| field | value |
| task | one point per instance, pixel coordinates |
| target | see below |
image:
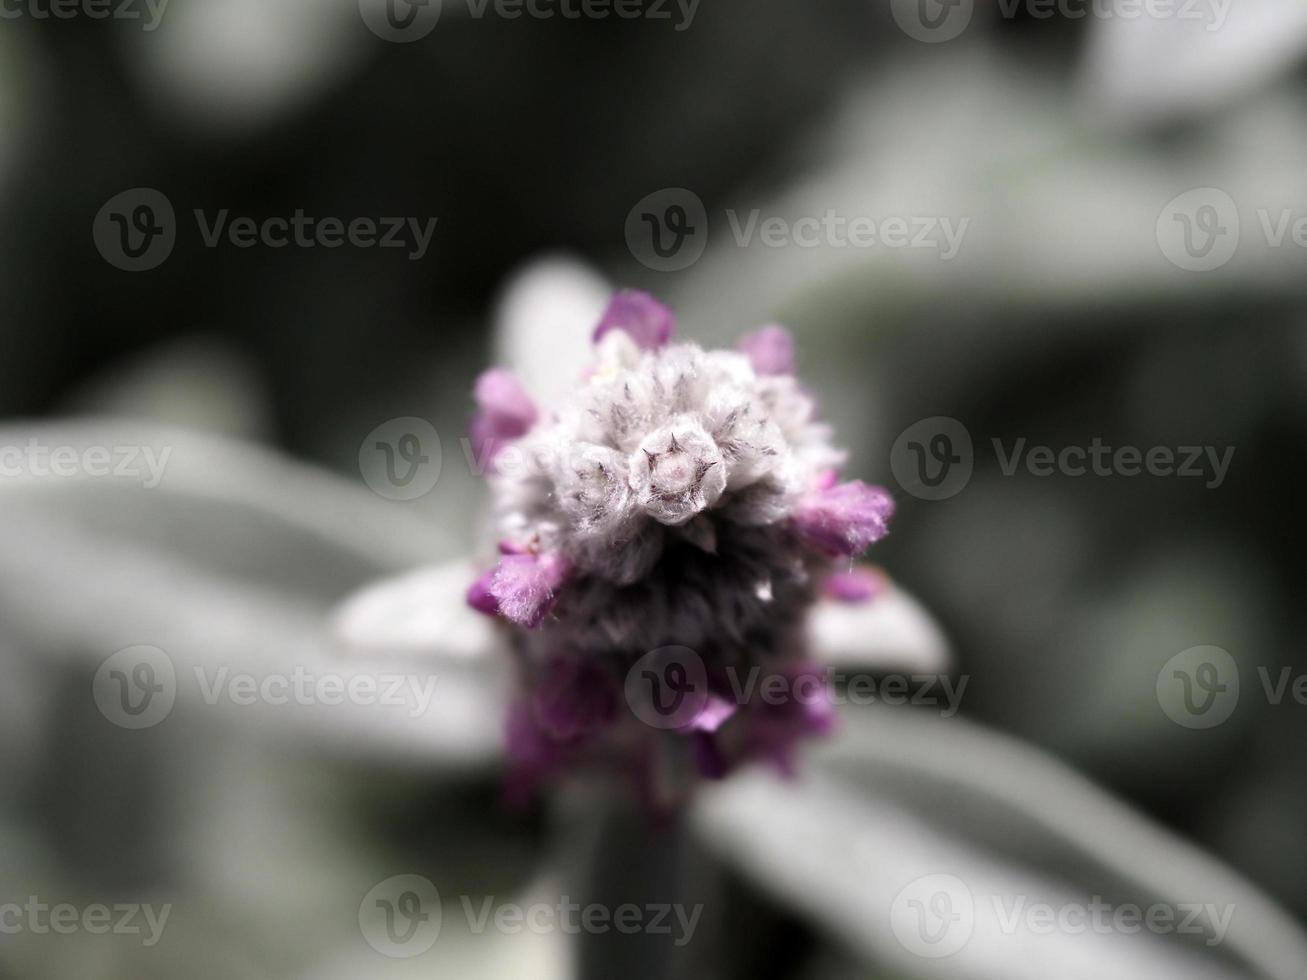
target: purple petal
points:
(504, 412)
(715, 713)
(526, 586)
(770, 350)
(650, 324)
(856, 586)
(479, 596)
(844, 520)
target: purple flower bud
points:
(526, 586)
(770, 350)
(679, 498)
(479, 596)
(649, 323)
(845, 520)
(504, 412)
(676, 472)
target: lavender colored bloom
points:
(680, 498)
(504, 412)
(844, 521)
(480, 596)
(770, 350)
(525, 586)
(647, 322)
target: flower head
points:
(679, 498)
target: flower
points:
(504, 412)
(677, 499)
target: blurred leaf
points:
(895, 801)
